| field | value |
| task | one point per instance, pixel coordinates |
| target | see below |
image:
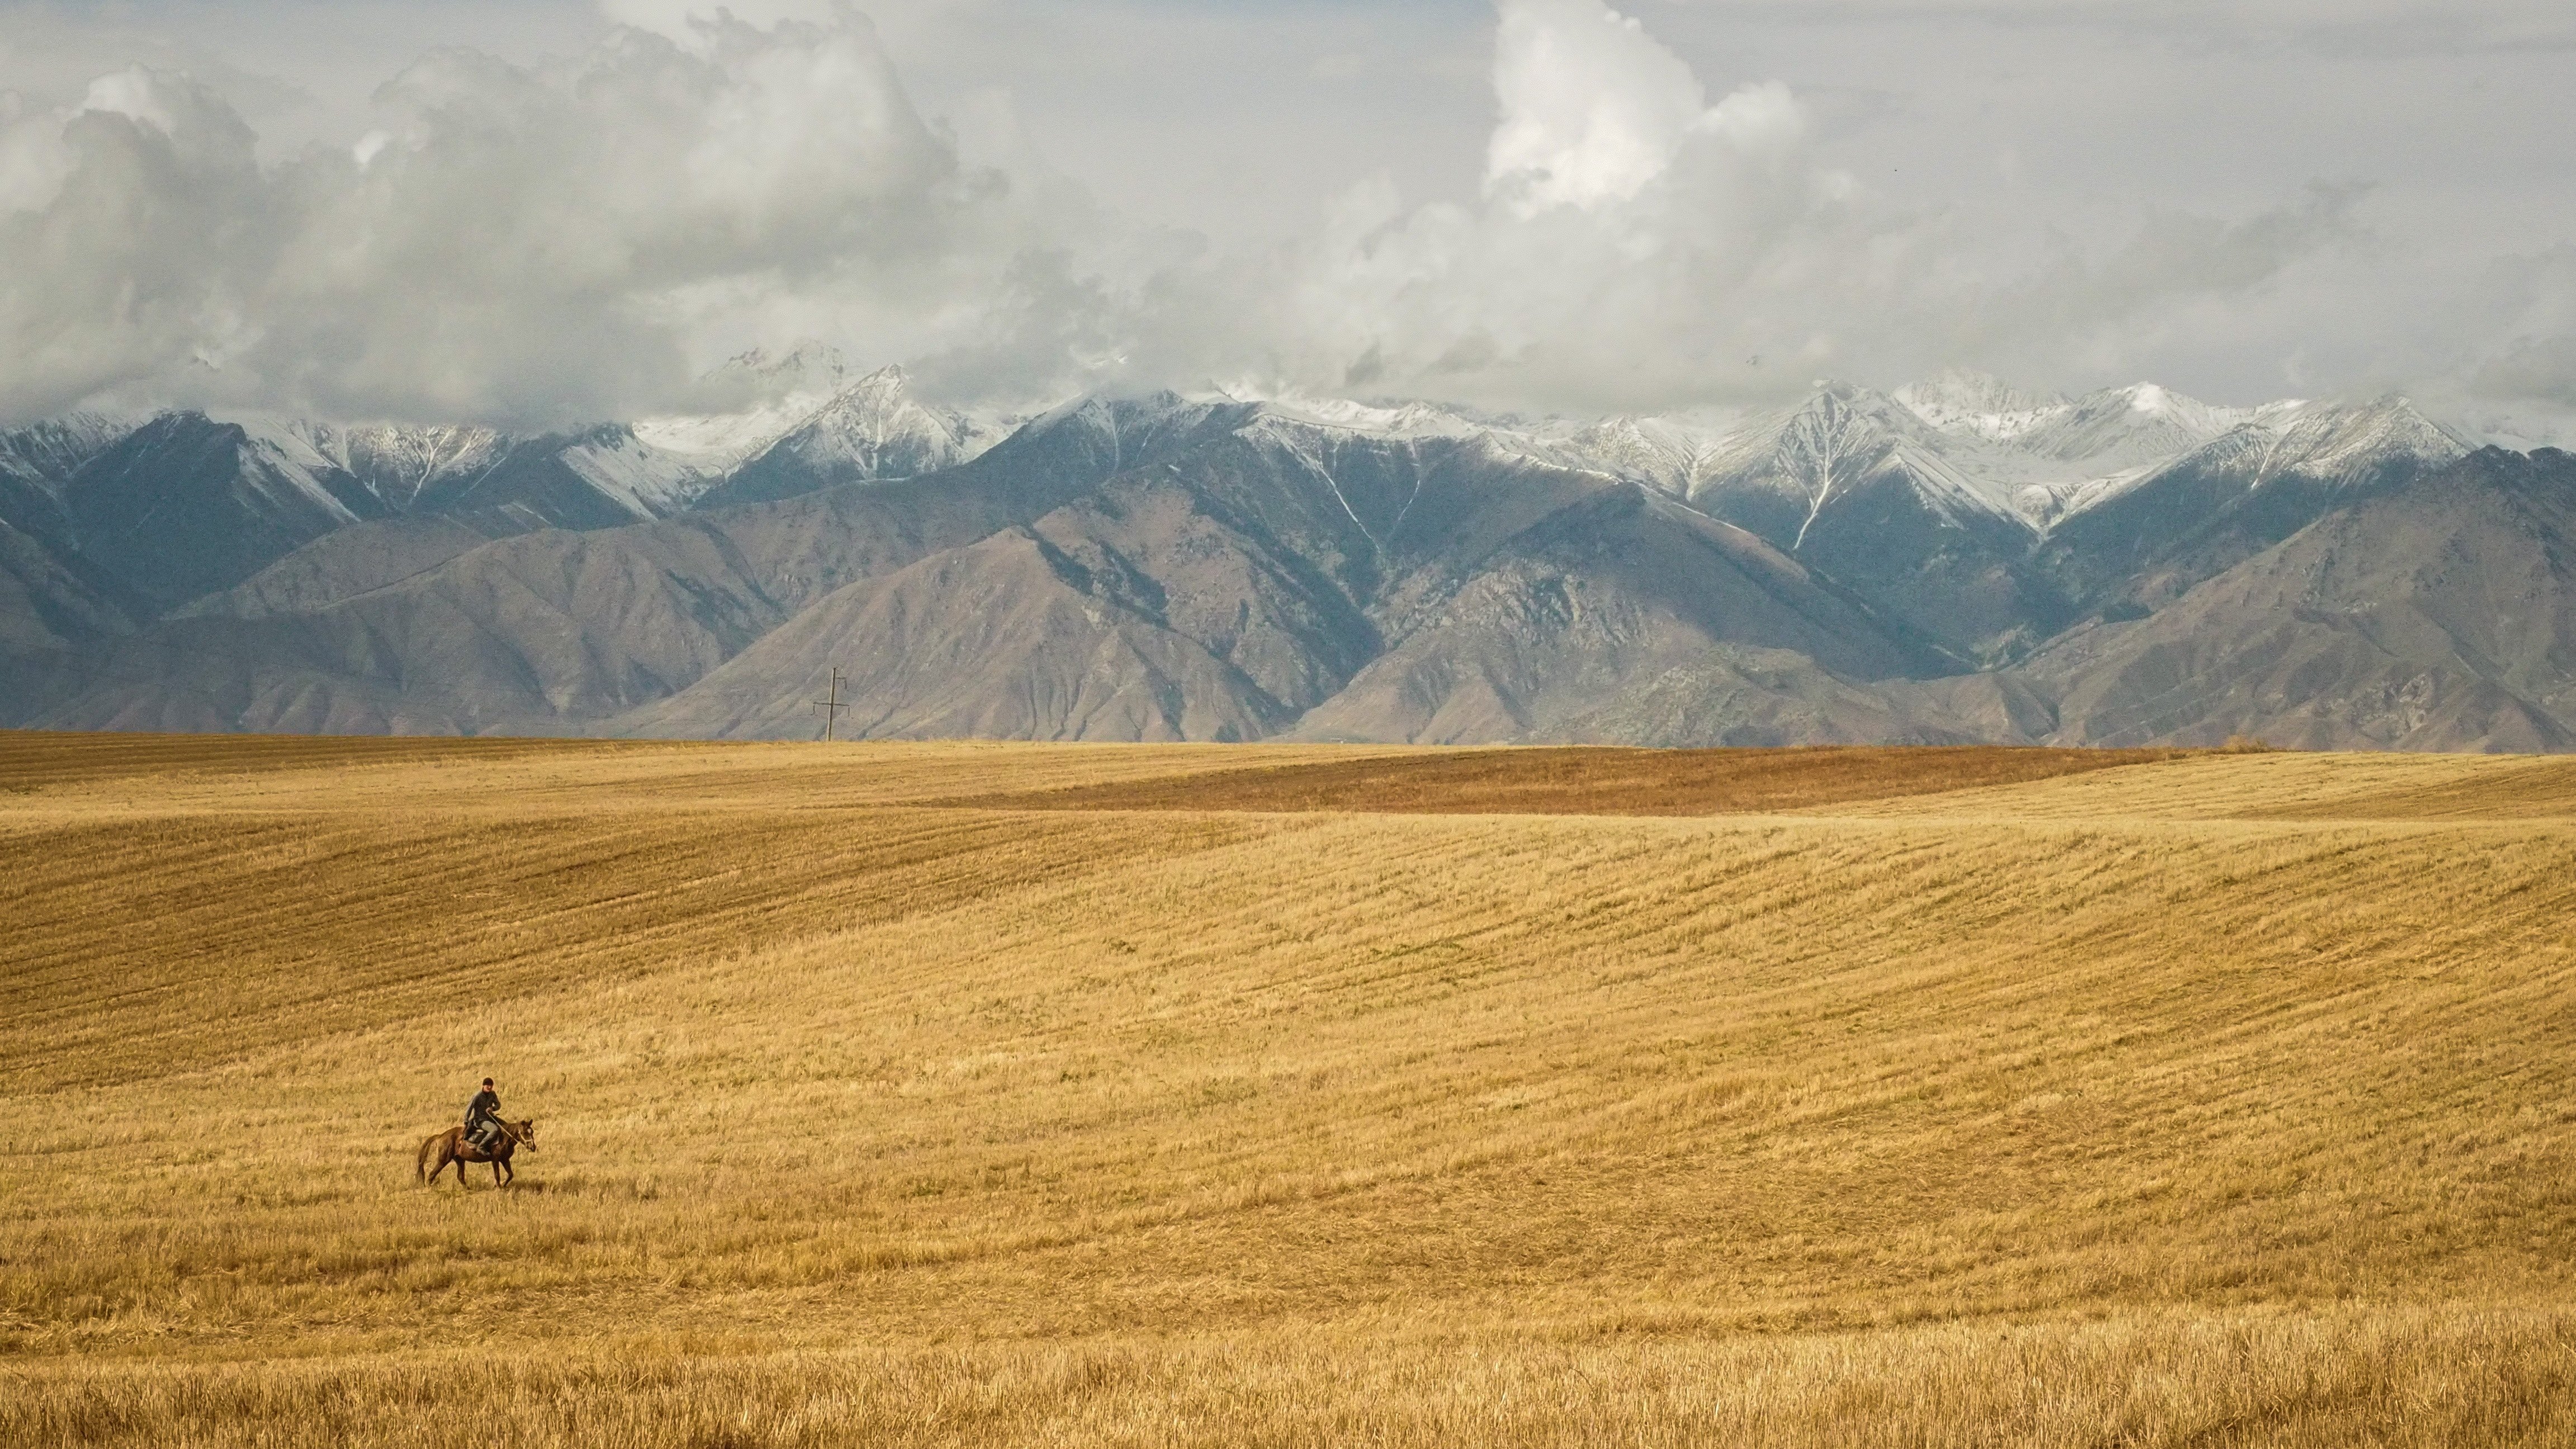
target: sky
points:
(543, 213)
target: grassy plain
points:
(976, 1094)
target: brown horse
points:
(451, 1146)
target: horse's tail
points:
(420, 1165)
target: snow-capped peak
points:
(2113, 428)
(805, 400)
(873, 427)
(2121, 427)
(2348, 441)
(1978, 405)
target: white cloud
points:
(2520, 387)
(129, 222)
(555, 242)
(2416, 26)
(685, 20)
(1593, 109)
(1639, 247)
(546, 244)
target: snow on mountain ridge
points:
(1969, 444)
(867, 427)
(1844, 435)
(1663, 453)
(1413, 419)
(2123, 426)
(1974, 446)
(44, 454)
(290, 455)
(724, 439)
(2344, 443)
(648, 481)
(1978, 405)
(398, 461)
(2340, 444)
(873, 427)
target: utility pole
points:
(830, 706)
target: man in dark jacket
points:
(483, 1117)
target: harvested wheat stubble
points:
(30, 759)
(237, 773)
(2079, 1110)
(2405, 1380)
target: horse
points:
(451, 1146)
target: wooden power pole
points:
(830, 706)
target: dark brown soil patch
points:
(1585, 781)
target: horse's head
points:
(526, 1133)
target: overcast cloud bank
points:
(555, 243)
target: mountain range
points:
(1952, 561)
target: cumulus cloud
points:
(125, 223)
(1638, 246)
(531, 245)
(1593, 109)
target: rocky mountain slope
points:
(2439, 614)
(1954, 561)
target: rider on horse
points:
(483, 1138)
(483, 1118)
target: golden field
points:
(984, 1094)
